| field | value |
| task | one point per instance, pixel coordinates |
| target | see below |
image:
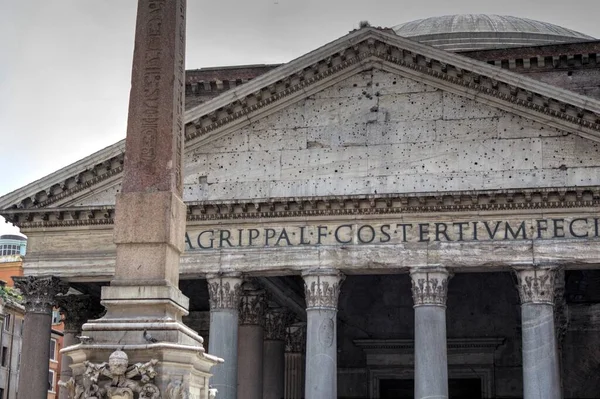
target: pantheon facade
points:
(403, 212)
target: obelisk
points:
(143, 302)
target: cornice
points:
(349, 205)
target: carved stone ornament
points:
(39, 293)
(177, 389)
(430, 286)
(276, 322)
(252, 305)
(115, 380)
(536, 284)
(77, 310)
(322, 290)
(224, 292)
(295, 339)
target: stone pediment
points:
(363, 79)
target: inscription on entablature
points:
(393, 232)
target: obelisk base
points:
(178, 368)
(143, 322)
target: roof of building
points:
(465, 32)
(13, 237)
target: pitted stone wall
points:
(377, 132)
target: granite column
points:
(76, 310)
(541, 372)
(295, 342)
(250, 341)
(430, 289)
(276, 321)
(224, 295)
(322, 289)
(39, 296)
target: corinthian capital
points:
(536, 284)
(322, 289)
(224, 292)
(77, 310)
(39, 293)
(252, 305)
(430, 286)
(276, 322)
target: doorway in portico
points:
(404, 388)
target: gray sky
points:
(65, 64)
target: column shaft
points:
(35, 352)
(223, 343)
(276, 321)
(294, 375)
(250, 342)
(70, 338)
(321, 354)
(541, 372)
(322, 290)
(431, 359)
(273, 369)
(295, 343)
(250, 361)
(429, 287)
(224, 295)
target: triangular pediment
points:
(383, 103)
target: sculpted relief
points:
(115, 380)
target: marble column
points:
(295, 341)
(541, 376)
(322, 289)
(250, 341)
(224, 295)
(429, 290)
(276, 321)
(76, 310)
(39, 296)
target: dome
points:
(479, 31)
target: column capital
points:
(39, 293)
(224, 291)
(276, 322)
(536, 284)
(77, 310)
(322, 288)
(295, 338)
(252, 305)
(430, 286)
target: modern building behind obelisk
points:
(143, 302)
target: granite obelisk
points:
(144, 305)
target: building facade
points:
(379, 212)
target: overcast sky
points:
(65, 64)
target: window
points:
(1, 393)
(52, 349)
(7, 322)
(56, 319)
(50, 380)
(21, 331)
(4, 356)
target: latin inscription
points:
(394, 233)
